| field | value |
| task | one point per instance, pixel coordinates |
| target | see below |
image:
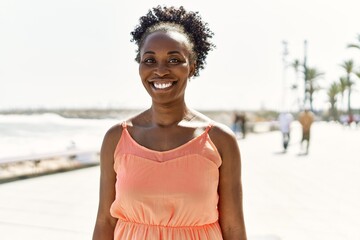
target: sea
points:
(47, 133)
(25, 135)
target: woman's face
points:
(165, 66)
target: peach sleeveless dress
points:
(169, 195)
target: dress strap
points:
(210, 125)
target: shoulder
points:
(220, 134)
(114, 133)
(112, 136)
(220, 131)
(223, 138)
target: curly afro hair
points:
(178, 19)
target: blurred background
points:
(67, 74)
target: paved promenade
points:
(287, 196)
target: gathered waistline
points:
(163, 226)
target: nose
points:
(161, 69)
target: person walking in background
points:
(285, 119)
(170, 172)
(239, 125)
(306, 119)
(236, 124)
(242, 120)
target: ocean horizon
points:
(29, 132)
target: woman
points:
(176, 172)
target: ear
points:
(192, 69)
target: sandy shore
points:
(286, 196)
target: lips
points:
(159, 85)
(163, 84)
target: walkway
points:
(286, 196)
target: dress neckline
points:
(204, 133)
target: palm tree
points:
(342, 88)
(311, 86)
(332, 93)
(357, 74)
(349, 68)
(355, 45)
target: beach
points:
(287, 196)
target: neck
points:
(169, 115)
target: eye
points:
(174, 60)
(149, 60)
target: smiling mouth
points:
(161, 85)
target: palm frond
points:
(348, 65)
(313, 74)
(333, 90)
(355, 45)
(357, 74)
(342, 84)
(352, 45)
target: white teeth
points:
(162, 85)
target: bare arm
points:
(231, 217)
(105, 223)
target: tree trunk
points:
(349, 101)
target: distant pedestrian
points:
(239, 125)
(235, 124)
(285, 119)
(306, 118)
(242, 120)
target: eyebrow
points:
(149, 52)
(171, 52)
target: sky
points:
(77, 53)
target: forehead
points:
(171, 40)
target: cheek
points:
(143, 72)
